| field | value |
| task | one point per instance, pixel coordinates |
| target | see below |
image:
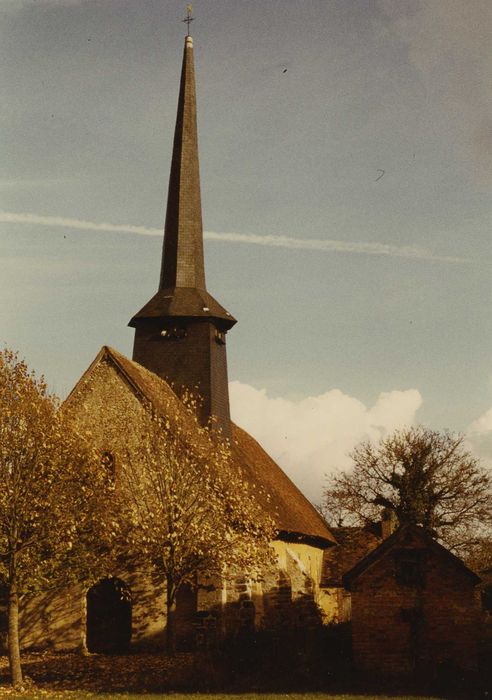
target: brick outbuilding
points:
(414, 608)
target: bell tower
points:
(180, 334)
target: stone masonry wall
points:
(57, 619)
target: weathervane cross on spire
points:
(188, 19)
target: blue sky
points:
(346, 165)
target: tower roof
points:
(182, 290)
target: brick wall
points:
(403, 629)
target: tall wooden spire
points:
(180, 333)
(182, 261)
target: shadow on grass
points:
(260, 664)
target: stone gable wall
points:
(92, 398)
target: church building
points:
(411, 603)
(180, 347)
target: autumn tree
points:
(187, 508)
(51, 487)
(424, 477)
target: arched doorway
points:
(109, 617)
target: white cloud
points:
(325, 245)
(311, 437)
(479, 437)
(481, 425)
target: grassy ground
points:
(74, 695)
(77, 676)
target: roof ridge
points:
(382, 549)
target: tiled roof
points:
(295, 515)
(183, 302)
(353, 544)
(406, 536)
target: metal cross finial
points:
(188, 19)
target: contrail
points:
(272, 241)
(37, 220)
(333, 246)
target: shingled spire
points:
(182, 261)
(180, 333)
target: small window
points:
(409, 569)
(411, 615)
(173, 333)
(220, 337)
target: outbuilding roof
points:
(406, 536)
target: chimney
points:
(389, 522)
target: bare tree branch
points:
(424, 477)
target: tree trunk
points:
(13, 638)
(171, 619)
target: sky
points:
(346, 168)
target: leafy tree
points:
(424, 477)
(186, 508)
(51, 486)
